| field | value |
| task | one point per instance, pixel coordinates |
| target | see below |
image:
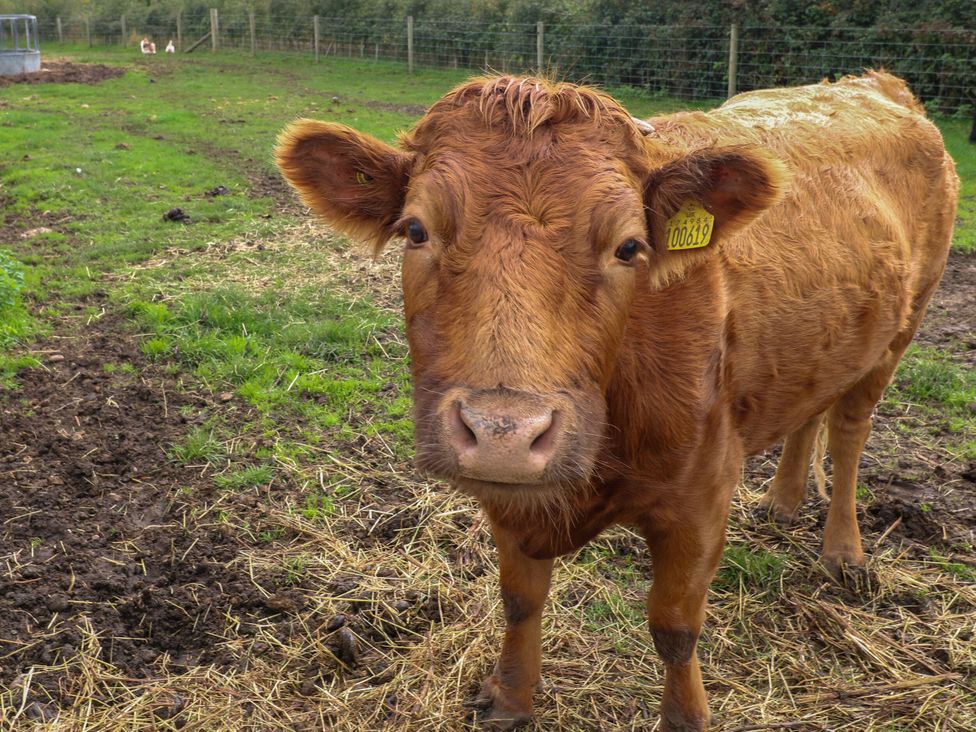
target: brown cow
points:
(590, 347)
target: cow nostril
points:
(545, 442)
(463, 434)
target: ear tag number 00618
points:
(690, 228)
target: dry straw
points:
(408, 569)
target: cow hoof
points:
(492, 710)
(674, 720)
(844, 565)
(775, 513)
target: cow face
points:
(533, 214)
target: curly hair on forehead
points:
(521, 106)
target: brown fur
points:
(833, 208)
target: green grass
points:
(248, 477)
(318, 507)
(743, 568)
(199, 446)
(308, 355)
(956, 134)
(610, 613)
(961, 571)
(932, 377)
(16, 323)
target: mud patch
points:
(105, 540)
(57, 71)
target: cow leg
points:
(789, 487)
(684, 559)
(505, 700)
(849, 424)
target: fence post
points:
(179, 29)
(410, 43)
(315, 36)
(88, 29)
(213, 29)
(733, 57)
(125, 40)
(539, 32)
(250, 20)
(60, 32)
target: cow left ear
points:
(733, 185)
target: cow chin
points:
(553, 501)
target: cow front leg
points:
(684, 560)
(505, 701)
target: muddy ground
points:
(57, 71)
(103, 533)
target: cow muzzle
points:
(504, 436)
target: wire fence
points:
(690, 62)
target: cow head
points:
(533, 214)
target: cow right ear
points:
(355, 182)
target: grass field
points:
(272, 356)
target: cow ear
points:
(720, 191)
(355, 182)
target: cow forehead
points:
(532, 117)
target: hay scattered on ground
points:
(396, 617)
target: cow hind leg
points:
(786, 494)
(848, 427)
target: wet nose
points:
(502, 442)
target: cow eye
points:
(416, 233)
(628, 250)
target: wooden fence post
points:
(213, 29)
(179, 30)
(60, 32)
(250, 19)
(88, 29)
(733, 57)
(410, 43)
(315, 36)
(125, 40)
(539, 32)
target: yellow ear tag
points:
(690, 228)
(362, 179)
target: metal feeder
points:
(20, 52)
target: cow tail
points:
(819, 452)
